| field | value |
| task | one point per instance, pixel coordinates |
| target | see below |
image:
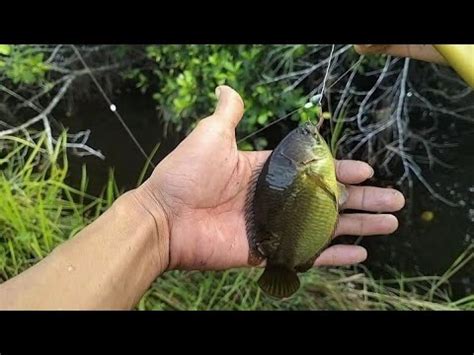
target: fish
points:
(292, 209)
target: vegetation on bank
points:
(369, 103)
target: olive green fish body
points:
(295, 208)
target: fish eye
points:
(305, 129)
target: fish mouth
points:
(310, 128)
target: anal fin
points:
(307, 265)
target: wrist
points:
(152, 213)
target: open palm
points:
(202, 186)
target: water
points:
(418, 246)
(430, 247)
(109, 136)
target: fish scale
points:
(315, 224)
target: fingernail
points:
(372, 172)
(218, 92)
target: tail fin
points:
(279, 281)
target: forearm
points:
(108, 265)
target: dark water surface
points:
(109, 136)
(418, 246)
(430, 247)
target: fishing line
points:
(321, 119)
(270, 124)
(319, 97)
(112, 107)
(326, 75)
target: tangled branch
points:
(378, 103)
(62, 69)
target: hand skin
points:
(423, 52)
(188, 215)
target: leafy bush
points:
(22, 64)
(183, 79)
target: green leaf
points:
(262, 119)
(260, 143)
(245, 146)
(5, 49)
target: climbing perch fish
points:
(292, 210)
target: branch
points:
(371, 91)
(44, 113)
(307, 71)
(398, 116)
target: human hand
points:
(200, 191)
(416, 51)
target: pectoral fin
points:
(322, 184)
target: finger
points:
(353, 171)
(230, 106)
(374, 199)
(416, 51)
(341, 255)
(366, 224)
(371, 48)
(335, 255)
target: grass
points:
(322, 289)
(337, 129)
(39, 210)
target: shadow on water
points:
(418, 246)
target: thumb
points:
(230, 106)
